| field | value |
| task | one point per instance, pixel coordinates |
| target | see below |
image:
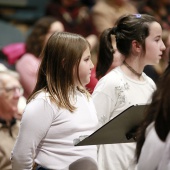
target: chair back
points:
(85, 163)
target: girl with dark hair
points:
(139, 40)
(59, 109)
(155, 127)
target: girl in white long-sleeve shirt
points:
(59, 109)
(138, 39)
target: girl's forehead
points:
(155, 29)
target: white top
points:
(152, 150)
(114, 93)
(164, 164)
(47, 134)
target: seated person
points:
(10, 93)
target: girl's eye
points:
(86, 59)
(157, 39)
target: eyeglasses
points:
(12, 90)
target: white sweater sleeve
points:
(35, 123)
(164, 163)
(104, 99)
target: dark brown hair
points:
(35, 40)
(128, 28)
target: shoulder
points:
(29, 61)
(42, 102)
(109, 84)
(27, 57)
(113, 78)
(150, 81)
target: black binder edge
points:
(128, 136)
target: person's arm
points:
(104, 107)
(35, 123)
(103, 96)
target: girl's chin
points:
(86, 82)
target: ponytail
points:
(105, 55)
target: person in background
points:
(76, 18)
(106, 12)
(10, 94)
(4, 61)
(28, 64)
(155, 128)
(22, 99)
(139, 40)
(59, 110)
(160, 9)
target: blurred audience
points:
(89, 3)
(4, 61)
(76, 17)
(10, 110)
(160, 9)
(27, 66)
(106, 12)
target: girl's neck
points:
(133, 69)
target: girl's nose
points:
(163, 47)
(92, 65)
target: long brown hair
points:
(60, 56)
(158, 111)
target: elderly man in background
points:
(10, 94)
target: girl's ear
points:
(136, 47)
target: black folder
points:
(120, 129)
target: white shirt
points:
(164, 163)
(152, 150)
(114, 93)
(47, 134)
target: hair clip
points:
(138, 15)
